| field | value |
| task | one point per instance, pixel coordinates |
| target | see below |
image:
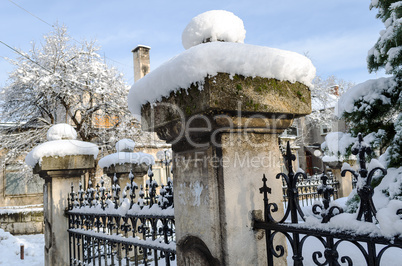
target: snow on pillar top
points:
(61, 142)
(125, 145)
(212, 26)
(207, 55)
(125, 155)
(61, 131)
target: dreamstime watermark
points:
(238, 125)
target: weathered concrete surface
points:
(71, 162)
(216, 192)
(59, 174)
(225, 137)
(345, 182)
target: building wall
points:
(309, 138)
(18, 187)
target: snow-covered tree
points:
(374, 106)
(324, 97)
(63, 81)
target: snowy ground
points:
(10, 249)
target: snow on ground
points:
(10, 249)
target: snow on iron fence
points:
(371, 235)
(137, 228)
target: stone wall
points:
(22, 221)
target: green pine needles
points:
(378, 109)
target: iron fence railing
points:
(360, 230)
(105, 229)
(308, 187)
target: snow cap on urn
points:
(61, 131)
(125, 145)
(212, 26)
(62, 141)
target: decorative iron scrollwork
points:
(371, 247)
(327, 191)
(103, 229)
(291, 178)
(364, 188)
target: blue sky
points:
(335, 35)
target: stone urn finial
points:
(212, 26)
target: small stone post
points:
(122, 172)
(345, 182)
(224, 138)
(126, 161)
(61, 162)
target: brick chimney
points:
(141, 61)
(335, 90)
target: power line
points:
(117, 61)
(18, 52)
(27, 57)
(36, 63)
(53, 27)
(31, 13)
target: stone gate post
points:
(224, 137)
(126, 161)
(59, 174)
(61, 162)
(345, 182)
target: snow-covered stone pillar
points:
(126, 161)
(222, 106)
(222, 146)
(61, 161)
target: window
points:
(324, 129)
(19, 182)
(291, 132)
(158, 176)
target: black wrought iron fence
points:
(330, 233)
(105, 229)
(308, 187)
